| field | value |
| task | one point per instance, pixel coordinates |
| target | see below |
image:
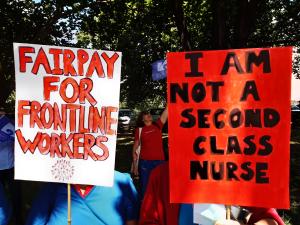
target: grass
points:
(123, 163)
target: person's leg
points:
(144, 172)
(145, 168)
(155, 163)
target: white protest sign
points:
(67, 102)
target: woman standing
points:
(148, 136)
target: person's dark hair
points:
(139, 121)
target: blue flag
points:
(159, 69)
(7, 129)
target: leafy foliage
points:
(145, 31)
(46, 22)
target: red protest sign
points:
(229, 126)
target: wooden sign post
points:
(228, 212)
(69, 205)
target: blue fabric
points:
(145, 168)
(13, 189)
(186, 214)
(7, 133)
(7, 129)
(102, 206)
(5, 209)
(159, 69)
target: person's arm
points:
(131, 222)
(266, 222)
(164, 116)
(42, 206)
(260, 216)
(136, 143)
(134, 152)
(135, 147)
(260, 222)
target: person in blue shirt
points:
(92, 205)
(5, 209)
(12, 187)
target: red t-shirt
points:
(87, 190)
(151, 141)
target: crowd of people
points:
(120, 204)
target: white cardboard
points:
(39, 167)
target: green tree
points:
(146, 30)
(143, 31)
(46, 22)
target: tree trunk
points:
(220, 38)
(180, 22)
(246, 19)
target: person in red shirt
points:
(157, 210)
(148, 136)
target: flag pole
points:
(69, 204)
